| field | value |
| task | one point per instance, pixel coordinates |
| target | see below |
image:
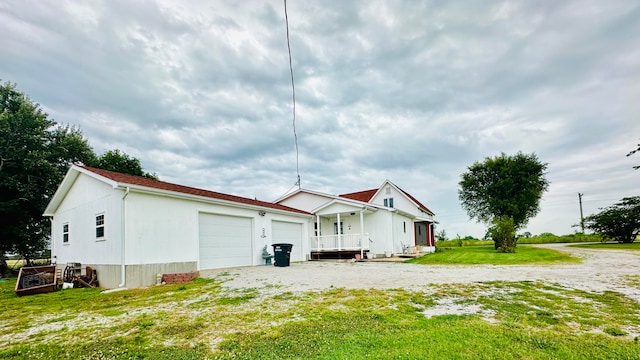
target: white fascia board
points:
(291, 194)
(64, 187)
(67, 182)
(179, 195)
(422, 218)
(382, 187)
(403, 213)
(288, 195)
(356, 204)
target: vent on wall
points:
(388, 190)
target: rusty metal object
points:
(73, 274)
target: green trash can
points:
(281, 254)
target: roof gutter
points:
(123, 271)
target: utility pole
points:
(581, 216)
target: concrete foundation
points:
(143, 275)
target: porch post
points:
(339, 233)
(430, 234)
(362, 234)
(318, 232)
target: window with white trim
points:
(100, 226)
(335, 228)
(65, 233)
(388, 202)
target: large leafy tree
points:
(115, 160)
(619, 222)
(504, 187)
(35, 153)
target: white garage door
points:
(225, 241)
(286, 232)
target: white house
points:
(130, 228)
(384, 220)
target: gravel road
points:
(600, 270)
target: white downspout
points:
(362, 235)
(123, 272)
(53, 242)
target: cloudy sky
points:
(409, 91)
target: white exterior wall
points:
(305, 201)
(378, 225)
(265, 222)
(400, 201)
(401, 237)
(384, 228)
(327, 224)
(164, 229)
(351, 223)
(86, 199)
(160, 229)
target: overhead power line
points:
(293, 91)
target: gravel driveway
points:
(600, 270)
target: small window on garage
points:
(100, 227)
(65, 233)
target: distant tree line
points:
(619, 222)
(35, 154)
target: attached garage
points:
(225, 241)
(154, 227)
(288, 232)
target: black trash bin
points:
(281, 254)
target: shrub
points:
(503, 233)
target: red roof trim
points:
(162, 185)
(417, 202)
(363, 196)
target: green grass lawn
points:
(474, 255)
(610, 246)
(519, 320)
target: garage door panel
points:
(225, 241)
(286, 232)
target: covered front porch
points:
(340, 231)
